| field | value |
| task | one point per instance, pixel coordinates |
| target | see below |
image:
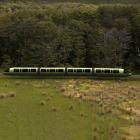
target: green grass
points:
(84, 1)
(40, 111)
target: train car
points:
(79, 71)
(111, 72)
(22, 71)
(72, 71)
(52, 71)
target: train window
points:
(43, 70)
(33, 70)
(24, 70)
(60, 70)
(115, 71)
(16, 70)
(107, 71)
(87, 70)
(79, 70)
(52, 70)
(98, 71)
(70, 70)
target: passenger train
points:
(63, 71)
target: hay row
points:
(7, 95)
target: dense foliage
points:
(69, 34)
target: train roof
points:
(109, 68)
(24, 67)
(66, 67)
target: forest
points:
(69, 34)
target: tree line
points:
(83, 35)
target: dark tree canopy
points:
(69, 35)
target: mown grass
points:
(41, 109)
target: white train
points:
(66, 71)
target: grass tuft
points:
(54, 109)
(17, 83)
(42, 102)
(6, 95)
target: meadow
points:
(69, 109)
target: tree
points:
(113, 47)
(77, 54)
(134, 52)
(6, 61)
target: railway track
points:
(133, 77)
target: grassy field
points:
(84, 1)
(69, 109)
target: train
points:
(66, 71)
